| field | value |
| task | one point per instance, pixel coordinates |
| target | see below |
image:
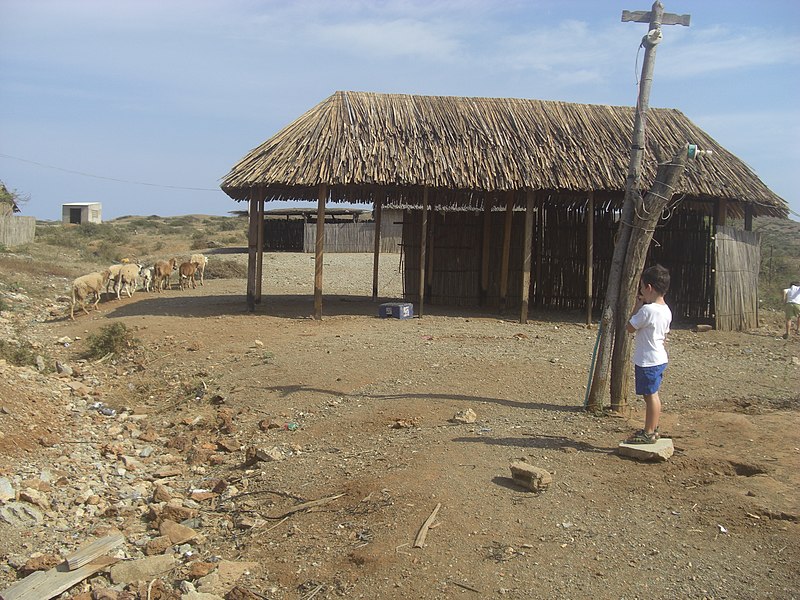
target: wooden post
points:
(260, 249)
(376, 253)
(540, 241)
(485, 245)
(429, 249)
(646, 217)
(252, 243)
(748, 218)
(655, 17)
(423, 238)
(589, 255)
(721, 212)
(318, 251)
(506, 250)
(526, 258)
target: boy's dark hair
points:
(658, 277)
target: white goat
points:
(201, 261)
(85, 286)
(112, 278)
(146, 275)
(127, 277)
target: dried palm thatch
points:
(366, 146)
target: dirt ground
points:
(362, 407)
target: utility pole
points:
(609, 319)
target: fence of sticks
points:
(683, 243)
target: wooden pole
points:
(599, 382)
(423, 237)
(260, 249)
(527, 248)
(429, 253)
(721, 211)
(252, 243)
(376, 253)
(506, 250)
(318, 251)
(485, 244)
(748, 218)
(540, 241)
(647, 213)
(589, 256)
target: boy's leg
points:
(652, 413)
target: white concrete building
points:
(81, 212)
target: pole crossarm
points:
(644, 16)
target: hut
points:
(502, 191)
(77, 213)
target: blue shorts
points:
(648, 379)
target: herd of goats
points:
(129, 276)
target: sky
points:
(144, 105)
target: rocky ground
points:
(202, 444)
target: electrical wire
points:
(158, 185)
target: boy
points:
(650, 322)
(791, 307)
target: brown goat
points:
(187, 271)
(162, 271)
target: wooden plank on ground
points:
(93, 550)
(43, 585)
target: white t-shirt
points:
(792, 294)
(652, 323)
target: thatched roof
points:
(366, 146)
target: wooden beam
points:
(252, 242)
(260, 249)
(721, 216)
(527, 248)
(376, 252)
(318, 251)
(589, 255)
(748, 218)
(506, 250)
(429, 253)
(485, 245)
(423, 236)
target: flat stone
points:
(20, 514)
(143, 569)
(660, 451)
(6, 490)
(177, 533)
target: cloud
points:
(719, 49)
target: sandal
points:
(656, 433)
(642, 437)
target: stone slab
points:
(660, 451)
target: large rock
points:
(176, 532)
(660, 451)
(227, 574)
(143, 569)
(531, 478)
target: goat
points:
(162, 271)
(85, 286)
(187, 271)
(112, 278)
(201, 260)
(146, 275)
(127, 277)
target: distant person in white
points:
(791, 306)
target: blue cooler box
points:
(396, 310)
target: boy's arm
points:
(639, 303)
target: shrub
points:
(20, 355)
(225, 269)
(111, 339)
